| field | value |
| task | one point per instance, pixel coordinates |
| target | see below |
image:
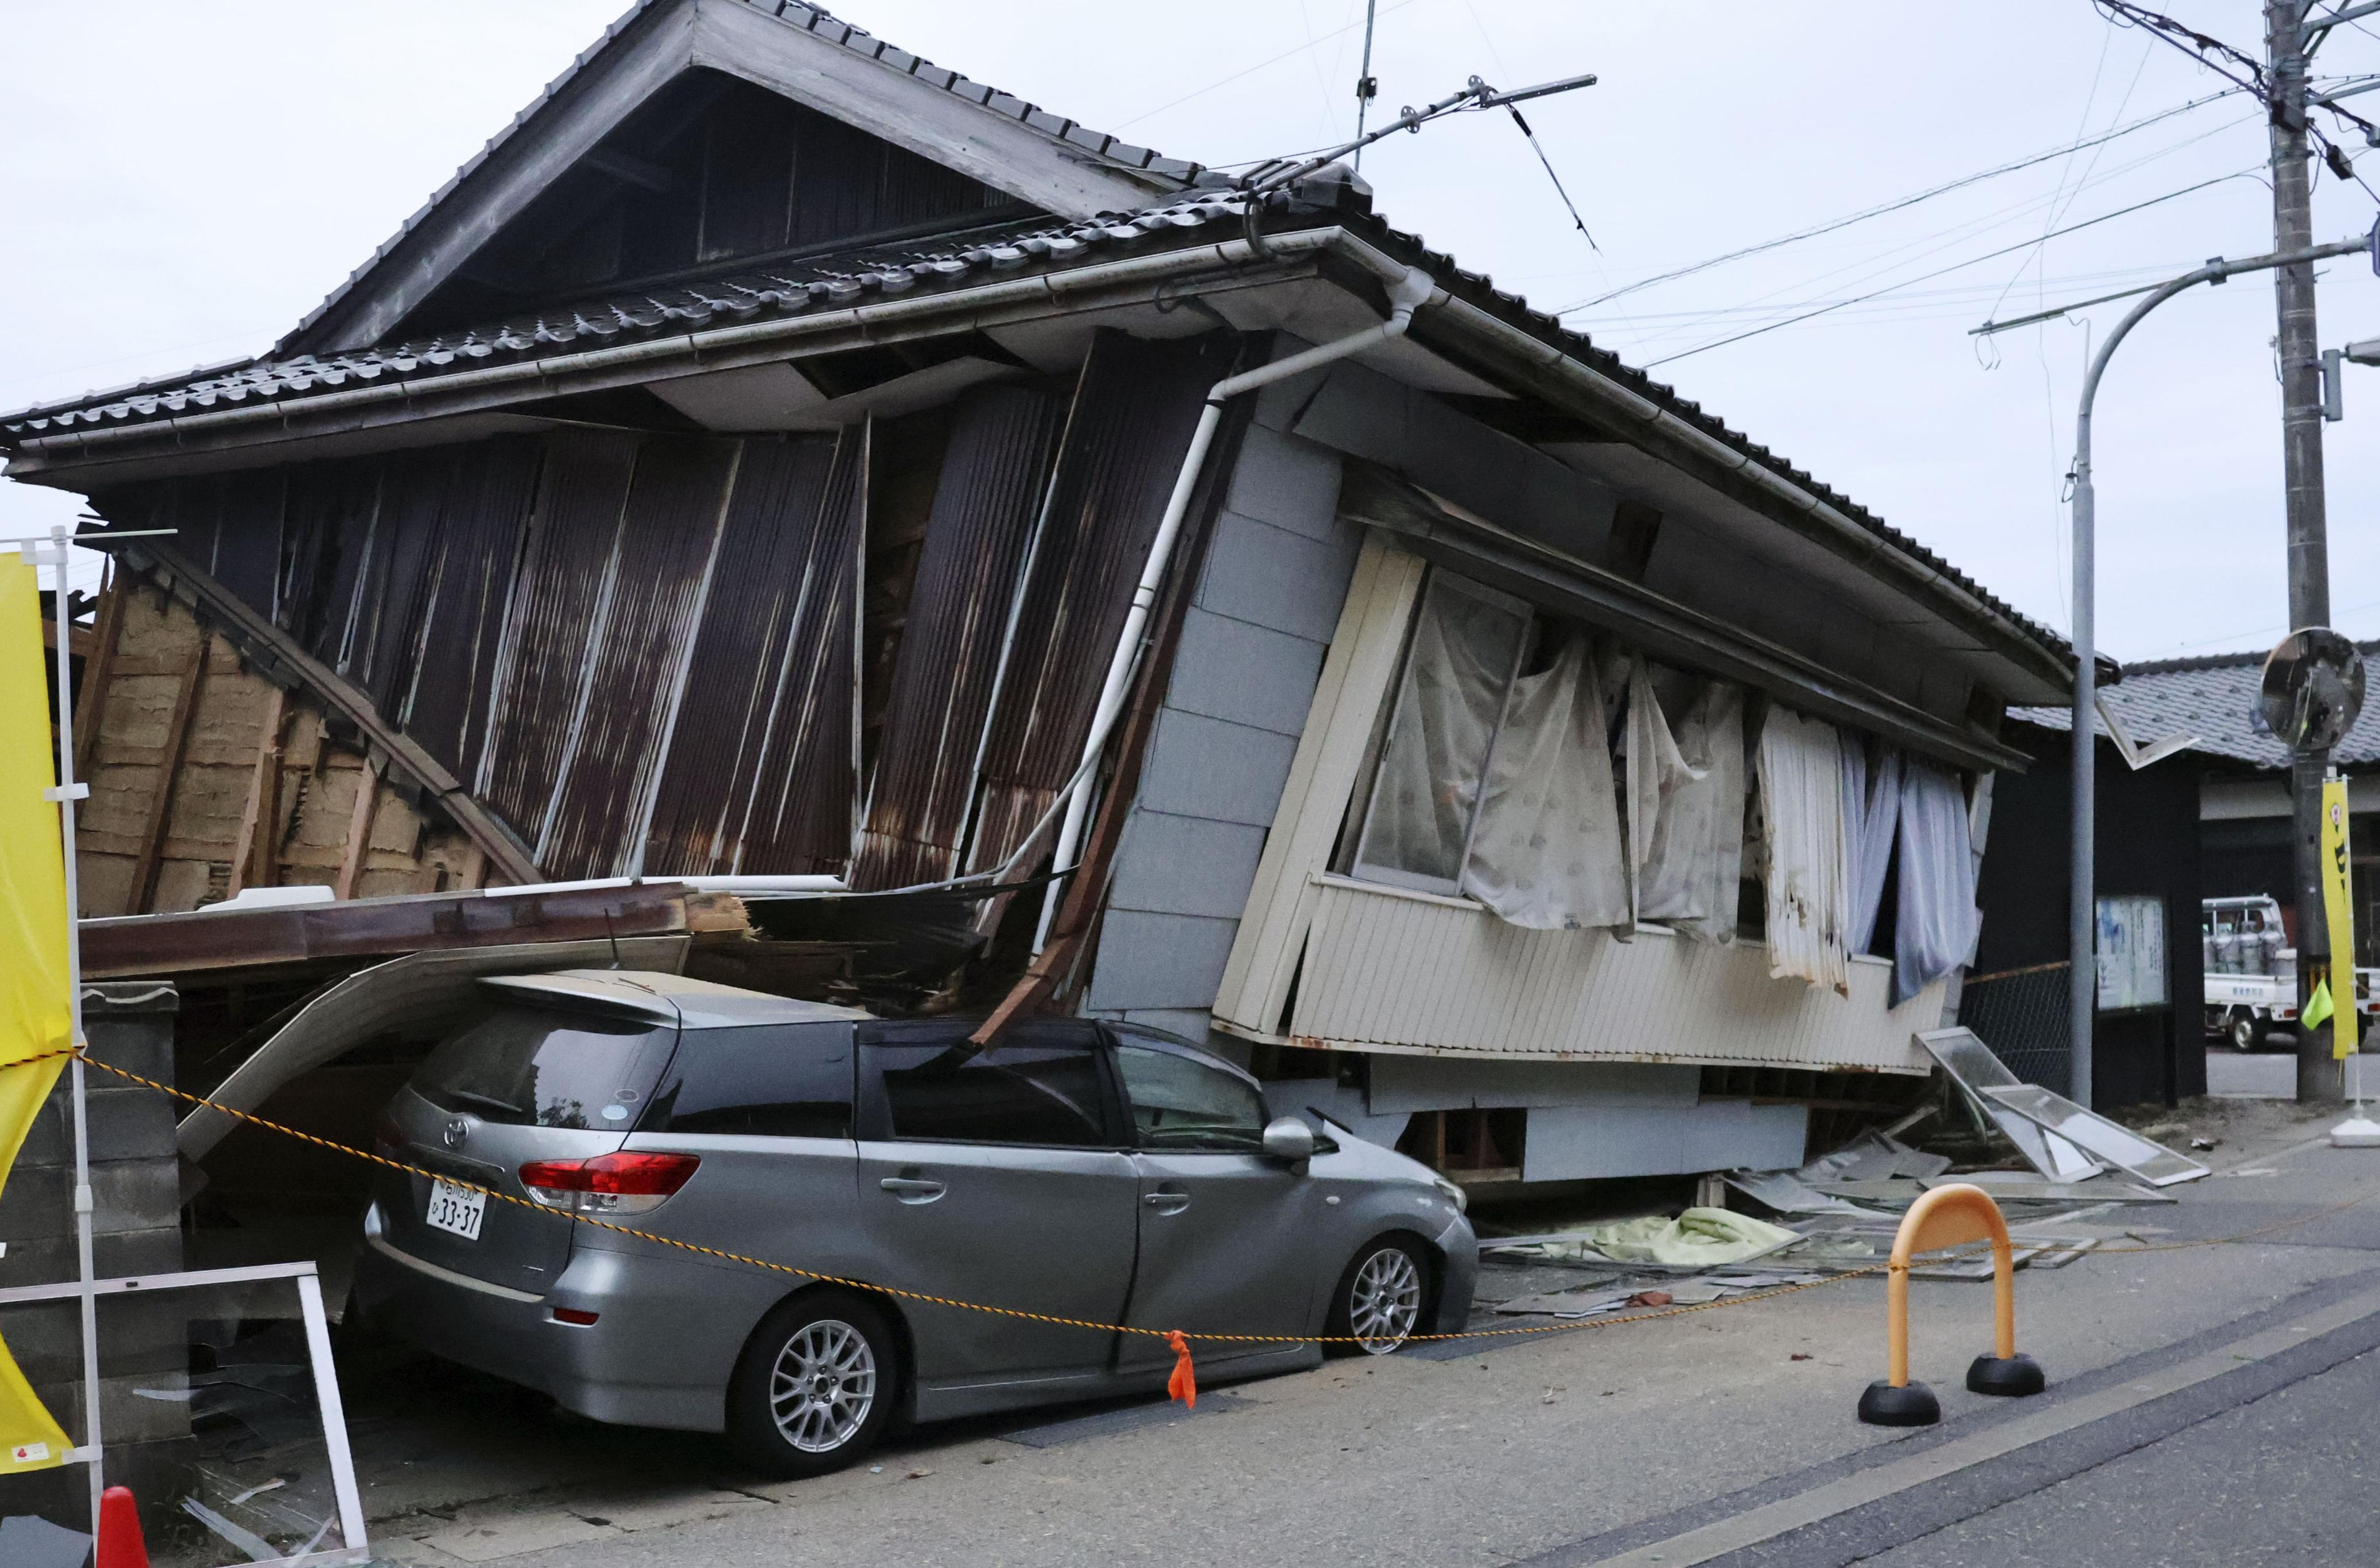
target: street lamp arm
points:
(2082, 993)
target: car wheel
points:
(1379, 1300)
(815, 1385)
(2245, 1034)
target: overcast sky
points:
(187, 180)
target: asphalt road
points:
(2272, 1479)
(2263, 1074)
(2206, 1406)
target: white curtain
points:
(1668, 824)
(1809, 886)
(1712, 740)
(1547, 852)
(1464, 650)
(1936, 928)
(1870, 808)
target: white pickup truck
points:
(2252, 985)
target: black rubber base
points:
(1914, 1405)
(2017, 1376)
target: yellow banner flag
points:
(2338, 906)
(35, 1016)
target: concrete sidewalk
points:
(1531, 1446)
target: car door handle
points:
(913, 1189)
(1167, 1202)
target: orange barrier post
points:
(119, 1544)
(1948, 1217)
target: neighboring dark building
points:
(2016, 992)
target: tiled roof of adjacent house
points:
(2213, 699)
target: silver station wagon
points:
(1098, 1171)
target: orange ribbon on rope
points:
(1184, 1384)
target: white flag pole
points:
(65, 794)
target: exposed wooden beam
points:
(269, 647)
(90, 702)
(79, 639)
(169, 767)
(263, 799)
(351, 860)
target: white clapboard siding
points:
(1392, 969)
(1357, 674)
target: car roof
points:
(678, 999)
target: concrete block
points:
(1212, 768)
(1250, 674)
(1159, 961)
(130, 1195)
(1186, 866)
(125, 1123)
(1401, 1084)
(1292, 582)
(121, 1254)
(1291, 483)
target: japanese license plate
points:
(457, 1208)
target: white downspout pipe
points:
(1409, 288)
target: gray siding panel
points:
(1273, 578)
(1247, 674)
(1285, 481)
(1159, 961)
(1212, 768)
(1186, 866)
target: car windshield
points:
(530, 1066)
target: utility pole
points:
(2319, 1078)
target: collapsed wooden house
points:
(740, 476)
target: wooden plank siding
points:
(191, 799)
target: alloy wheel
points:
(822, 1386)
(1384, 1303)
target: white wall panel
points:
(1388, 969)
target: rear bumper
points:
(1458, 1278)
(666, 1334)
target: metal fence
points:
(2023, 1016)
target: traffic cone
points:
(120, 1545)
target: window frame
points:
(873, 1111)
(1140, 1037)
(1526, 614)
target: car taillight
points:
(625, 1182)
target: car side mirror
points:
(1288, 1138)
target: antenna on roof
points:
(1368, 86)
(616, 941)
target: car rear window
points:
(547, 1067)
(768, 1080)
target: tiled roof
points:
(2213, 698)
(853, 278)
(813, 20)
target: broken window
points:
(1466, 649)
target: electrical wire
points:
(1251, 70)
(1920, 248)
(1902, 203)
(1955, 266)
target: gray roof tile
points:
(2213, 697)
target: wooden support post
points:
(251, 855)
(351, 862)
(90, 702)
(169, 768)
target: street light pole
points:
(2082, 994)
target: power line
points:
(1260, 65)
(1955, 266)
(1899, 204)
(1926, 246)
